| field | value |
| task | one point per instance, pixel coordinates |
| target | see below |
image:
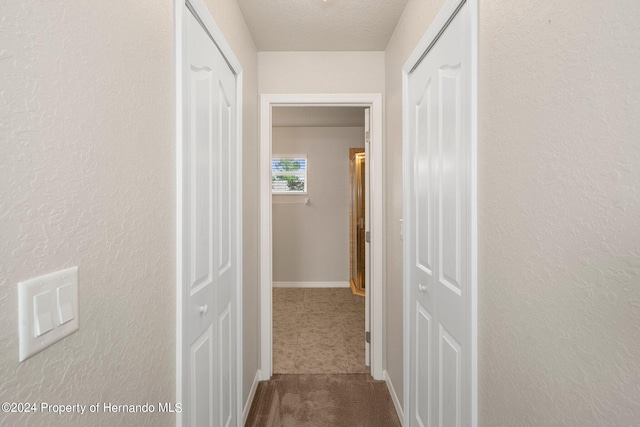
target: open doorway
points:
(319, 325)
(278, 221)
(357, 218)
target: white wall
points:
(559, 209)
(321, 72)
(87, 178)
(311, 243)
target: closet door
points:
(209, 233)
(438, 240)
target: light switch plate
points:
(47, 310)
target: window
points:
(289, 174)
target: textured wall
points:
(87, 179)
(229, 18)
(410, 29)
(321, 72)
(559, 202)
(311, 243)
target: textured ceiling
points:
(318, 25)
(318, 117)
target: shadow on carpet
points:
(306, 400)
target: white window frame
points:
(305, 173)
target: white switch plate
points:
(47, 310)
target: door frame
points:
(373, 101)
(202, 13)
(434, 31)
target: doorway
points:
(268, 103)
(318, 324)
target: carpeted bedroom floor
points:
(320, 378)
(318, 331)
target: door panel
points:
(423, 368)
(201, 375)
(200, 234)
(439, 211)
(209, 232)
(423, 194)
(424, 144)
(449, 191)
(225, 369)
(226, 279)
(449, 381)
(200, 154)
(224, 178)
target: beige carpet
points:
(310, 400)
(318, 331)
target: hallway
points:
(320, 377)
(91, 127)
(322, 400)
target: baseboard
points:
(394, 396)
(311, 284)
(252, 393)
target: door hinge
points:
(367, 237)
(367, 337)
(367, 137)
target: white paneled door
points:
(209, 233)
(438, 243)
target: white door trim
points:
(203, 14)
(374, 101)
(436, 28)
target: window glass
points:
(289, 174)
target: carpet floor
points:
(314, 400)
(318, 331)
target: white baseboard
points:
(394, 396)
(311, 284)
(252, 393)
